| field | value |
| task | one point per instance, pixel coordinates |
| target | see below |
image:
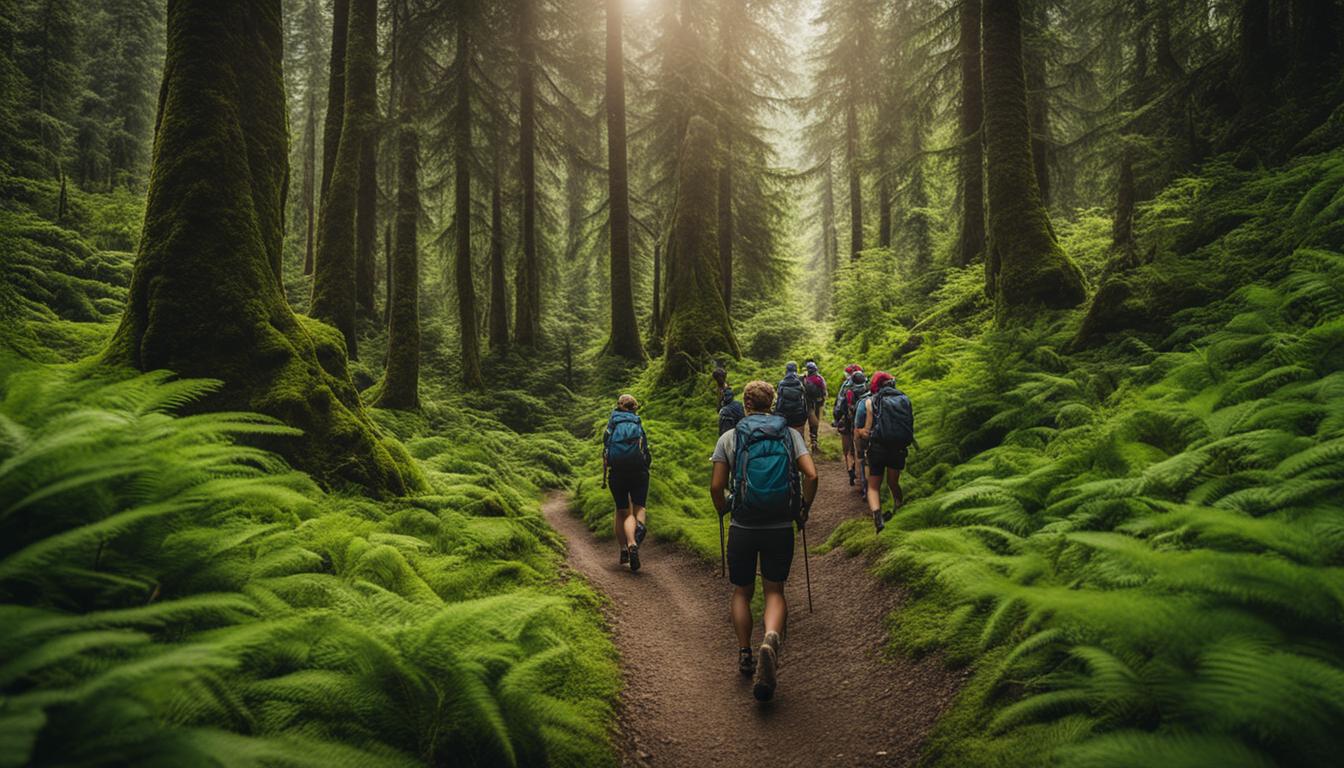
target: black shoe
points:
(879, 521)
(746, 663)
(634, 558)
(625, 556)
(640, 531)
(851, 477)
(764, 689)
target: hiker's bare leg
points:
(628, 524)
(813, 422)
(740, 607)
(618, 523)
(847, 445)
(641, 514)
(874, 492)
(776, 609)
(894, 483)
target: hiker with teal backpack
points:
(765, 480)
(792, 402)
(889, 428)
(625, 469)
(814, 388)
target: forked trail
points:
(842, 699)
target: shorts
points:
(629, 488)
(774, 547)
(882, 458)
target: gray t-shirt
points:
(725, 452)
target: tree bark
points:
(855, 179)
(331, 129)
(366, 210)
(334, 271)
(204, 301)
(1025, 266)
(971, 165)
(624, 325)
(309, 190)
(657, 322)
(1038, 100)
(829, 232)
(465, 275)
(401, 381)
(527, 280)
(499, 292)
(726, 76)
(697, 322)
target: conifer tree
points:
(335, 117)
(624, 327)
(463, 158)
(971, 157)
(527, 276)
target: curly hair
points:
(758, 396)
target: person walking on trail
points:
(889, 428)
(792, 403)
(730, 411)
(625, 469)
(838, 421)
(765, 479)
(720, 376)
(854, 388)
(858, 413)
(814, 387)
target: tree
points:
(366, 201)
(335, 119)
(462, 160)
(697, 322)
(1025, 266)
(499, 291)
(624, 326)
(205, 300)
(527, 277)
(49, 55)
(334, 272)
(971, 158)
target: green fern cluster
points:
(169, 595)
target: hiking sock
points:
(746, 663)
(634, 558)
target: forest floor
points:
(844, 698)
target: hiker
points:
(889, 428)
(840, 420)
(814, 387)
(770, 493)
(792, 403)
(720, 375)
(858, 413)
(730, 411)
(625, 469)
(850, 395)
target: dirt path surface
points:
(842, 700)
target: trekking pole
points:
(807, 571)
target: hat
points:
(791, 367)
(811, 367)
(880, 380)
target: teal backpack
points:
(766, 487)
(624, 445)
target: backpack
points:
(625, 444)
(815, 387)
(730, 415)
(852, 394)
(766, 486)
(893, 418)
(838, 410)
(792, 403)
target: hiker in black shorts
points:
(769, 495)
(626, 460)
(888, 429)
(814, 387)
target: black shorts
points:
(881, 458)
(774, 547)
(629, 487)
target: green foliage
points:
(171, 595)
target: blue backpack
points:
(766, 487)
(792, 402)
(625, 444)
(730, 415)
(893, 418)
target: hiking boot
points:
(746, 663)
(879, 521)
(764, 689)
(851, 477)
(625, 556)
(814, 445)
(634, 558)
(640, 531)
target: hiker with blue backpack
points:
(764, 479)
(625, 469)
(792, 399)
(814, 387)
(889, 428)
(730, 411)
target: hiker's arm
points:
(718, 485)
(809, 473)
(867, 423)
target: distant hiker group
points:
(764, 479)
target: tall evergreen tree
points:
(624, 327)
(335, 118)
(971, 157)
(527, 276)
(366, 202)
(463, 156)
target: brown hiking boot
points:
(765, 667)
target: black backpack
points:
(893, 418)
(792, 404)
(730, 415)
(812, 385)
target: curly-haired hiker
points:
(764, 477)
(889, 429)
(625, 469)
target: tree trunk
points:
(331, 128)
(334, 271)
(309, 183)
(829, 232)
(624, 325)
(917, 221)
(387, 266)
(726, 75)
(855, 180)
(1025, 267)
(971, 166)
(401, 381)
(657, 322)
(499, 292)
(366, 224)
(527, 279)
(697, 322)
(1038, 99)
(204, 301)
(883, 204)
(465, 275)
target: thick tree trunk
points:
(366, 224)
(401, 381)
(309, 190)
(697, 322)
(527, 280)
(204, 301)
(1025, 267)
(334, 270)
(624, 325)
(1038, 100)
(971, 163)
(331, 129)
(465, 275)
(499, 292)
(855, 178)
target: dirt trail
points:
(842, 700)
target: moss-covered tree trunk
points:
(204, 301)
(499, 292)
(698, 326)
(971, 162)
(527, 279)
(366, 225)
(465, 276)
(401, 381)
(624, 325)
(855, 176)
(334, 272)
(331, 127)
(1025, 266)
(309, 189)
(1038, 97)
(656, 319)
